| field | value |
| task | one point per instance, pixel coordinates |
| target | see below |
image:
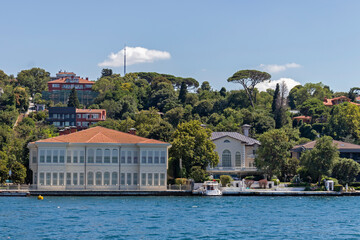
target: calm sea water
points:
(180, 218)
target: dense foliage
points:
(182, 111)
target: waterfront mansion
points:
(99, 159)
(236, 153)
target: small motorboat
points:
(211, 188)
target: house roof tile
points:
(63, 80)
(100, 135)
(339, 144)
(235, 135)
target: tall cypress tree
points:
(276, 97)
(183, 92)
(73, 100)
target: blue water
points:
(180, 218)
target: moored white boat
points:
(211, 188)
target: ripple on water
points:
(180, 218)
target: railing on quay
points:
(15, 187)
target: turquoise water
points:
(180, 218)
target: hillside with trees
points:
(173, 108)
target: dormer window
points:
(226, 141)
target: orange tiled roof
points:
(330, 102)
(100, 135)
(90, 110)
(302, 117)
(63, 80)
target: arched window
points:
(98, 178)
(226, 158)
(226, 141)
(238, 159)
(90, 178)
(90, 158)
(106, 178)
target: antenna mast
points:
(125, 60)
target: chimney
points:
(87, 78)
(132, 131)
(61, 132)
(246, 129)
(325, 99)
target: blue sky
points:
(207, 40)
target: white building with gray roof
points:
(236, 153)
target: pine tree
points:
(73, 100)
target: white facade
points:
(235, 157)
(98, 166)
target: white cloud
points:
(134, 55)
(274, 68)
(290, 83)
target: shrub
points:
(354, 184)
(249, 177)
(225, 180)
(276, 181)
(180, 181)
(338, 188)
(198, 174)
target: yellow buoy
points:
(40, 197)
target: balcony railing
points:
(232, 169)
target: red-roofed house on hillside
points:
(99, 159)
(337, 100)
(59, 88)
(305, 119)
(68, 81)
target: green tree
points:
(345, 170)
(21, 98)
(183, 92)
(198, 174)
(4, 78)
(223, 92)
(106, 72)
(316, 109)
(276, 98)
(4, 171)
(34, 79)
(273, 152)
(205, 86)
(73, 100)
(18, 172)
(249, 79)
(320, 160)
(175, 115)
(193, 146)
(344, 121)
